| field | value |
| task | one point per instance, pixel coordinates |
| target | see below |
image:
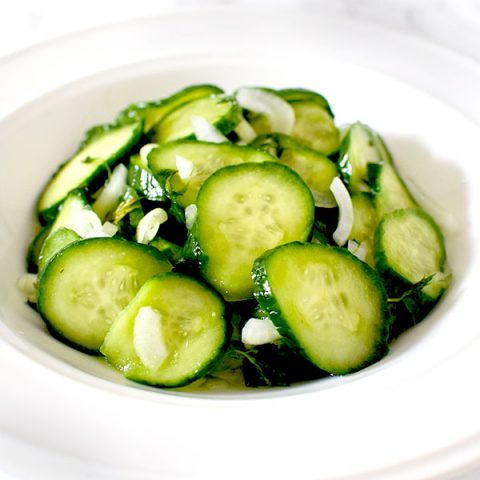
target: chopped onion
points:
(148, 338)
(27, 284)
(345, 215)
(357, 249)
(258, 331)
(279, 112)
(87, 224)
(245, 131)
(190, 215)
(109, 229)
(184, 167)
(205, 131)
(144, 151)
(113, 191)
(148, 226)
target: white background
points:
(452, 23)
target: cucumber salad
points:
(220, 240)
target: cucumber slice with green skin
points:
(361, 147)
(365, 218)
(259, 122)
(220, 111)
(366, 165)
(316, 169)
(390, 192)
(314, 127)
(272, 116)
(206, 159)
(242, 211)
(409, 248)
(170, 334)
(171, 251)
(144, 182)
(57, 240)
(365, 221)
(301, 94)
(327, 302)
(93, 158)
(76, 214)
(152, 112)
(85, 286)
(35, 247)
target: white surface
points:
(453, 23)
(81, 423)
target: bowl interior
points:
(430, 142)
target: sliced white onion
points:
(148, 339)
(205, 131)
(113, 191)
(27, 284)
(190, 215)
(357, 249)
(279, 112)
(345, 214)
(148, 226)
(144, 151)
(245, 131)
(184, 167)
(109, 229)
(258, 331)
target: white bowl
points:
(411, 415)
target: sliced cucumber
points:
(365, 221)
(220, 111)
(390, 192)
(100, 151)
(171, 251)
(76, 214)
(57, 240)
(242, 211)
(206, 159)
(259, 122)
(268, 107)
(35, 247)
(409, 247)
(361, 147)
(365, 218)
(143, 181)
(316, 169)
(328, 302)
(314, 127)
(153, 112)
(85, 286)
(170, 334)
(367, 166)
(292, 95)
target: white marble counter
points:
(452, 23)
